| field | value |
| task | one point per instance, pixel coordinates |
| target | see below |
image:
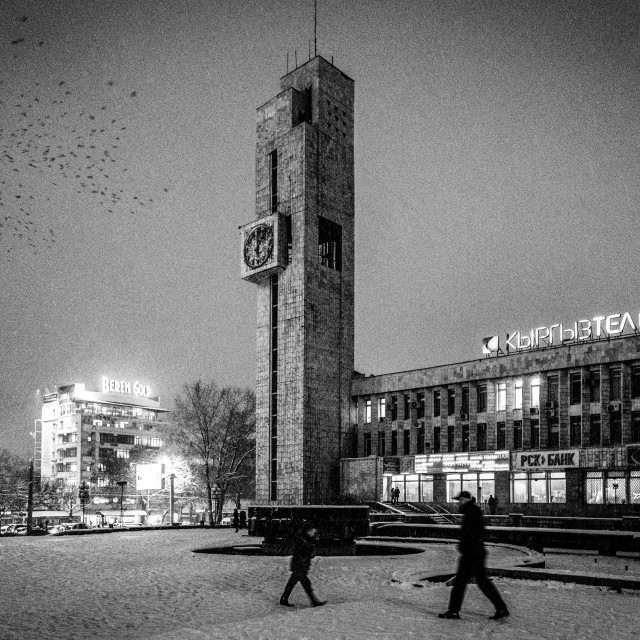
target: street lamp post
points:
(615, 493)
(216, 493)
(122, 484)
(83, 494)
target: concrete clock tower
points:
(299, 252)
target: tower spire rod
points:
(315, 28)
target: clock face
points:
(258, 246)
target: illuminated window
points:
(593, 487)
(501, 396)
(517, 401)
(122, 453)
(381, 409)
(535, 392)
(367, 411)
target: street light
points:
(615, 492)
(216, 493)
(122, 484)
(83, 494)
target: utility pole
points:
(122, 484)
(171, 497)
(30, 499)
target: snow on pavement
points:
(150, 585)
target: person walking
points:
(236, 520)
(492, 505)
(472, 561)
(304, 550)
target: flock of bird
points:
(52, 140)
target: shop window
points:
(465, 437)
(406, 441)
(436, 440)
(329, 244)
(366, 441)
(381, 409)
(557, 486)
(501, 435)
(411, 488)
(451, 402)
(481, 437)
(635, 427)
(535, 392)
(635, 382)
(426, 488)
(538, 487)
(470, 483)
(451, 435)
(553, 439)
(575, 387)
(123, 453)
(454, 485)
(436, 403)
(517, 399)
(593, 487)
(575, 431)
(394, 407)
(615, 428)
(519, 487)
(615, 489)
(517, 434)
(595, 432)
(615, 379)
(535, 433)
(482, 398)
(420, 440)
(594, 385)
(367, 411)
(420, 401)
(501, 396)
(486, 486)
(634, 487)
(407, 405)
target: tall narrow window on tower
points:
(273, 413)
(273, 181)
(329, 244)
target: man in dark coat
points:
(472, 561)
(304, 550)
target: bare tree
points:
(215, 427)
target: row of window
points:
(590, 380)
(591, 436)
(537, 487)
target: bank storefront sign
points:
(565, 459)
(462, 462)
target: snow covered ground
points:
(150, 585)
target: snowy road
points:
(149, 584)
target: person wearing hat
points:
(304, 550)
(472, 561)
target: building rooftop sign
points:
(597, 328)
(122, 386)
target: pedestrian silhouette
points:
(304, 550)
(472, 561)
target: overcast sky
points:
(497, 187)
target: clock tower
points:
(299, 252)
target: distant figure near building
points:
(304, 551)
(492, 505)
(472, 561)
(236, 520)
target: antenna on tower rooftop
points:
(315, 28)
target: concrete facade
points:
(592, 434)
(305, 177)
